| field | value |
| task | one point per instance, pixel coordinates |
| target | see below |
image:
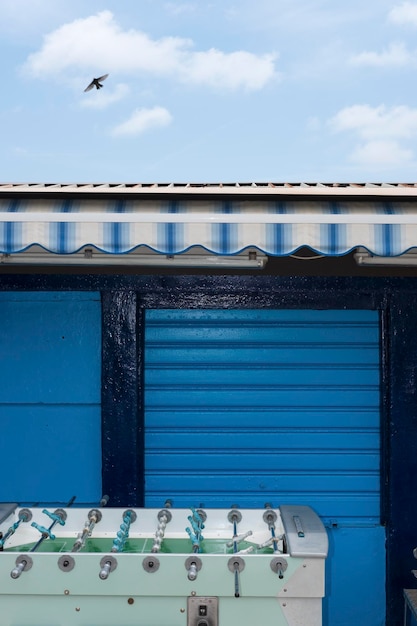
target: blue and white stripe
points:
(223, 227)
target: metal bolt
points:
(182, 610)
(193, 593)
(66, 592)
(77, 609)
(130, 600)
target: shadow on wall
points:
(303, 263)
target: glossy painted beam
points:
(122, 410)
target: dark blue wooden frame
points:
(124, 299)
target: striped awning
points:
(222, 227)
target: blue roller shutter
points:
(253, 406)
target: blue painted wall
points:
(50, 397)
(125, 299)
(355, 572)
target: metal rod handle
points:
(192, 572)
(105, 571)
(16, 572)
(23, 563)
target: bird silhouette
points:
(96, 82)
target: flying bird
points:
(96, 82)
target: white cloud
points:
(382, 153)
(396, 55)
(228, 70)
(377, 122)
(404, 14)
(142, 120)
(99, 44)
(107, 98)
(383, 132)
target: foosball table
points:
(161, 567)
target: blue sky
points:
(208, 91)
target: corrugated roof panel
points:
(250, 188)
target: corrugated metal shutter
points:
(252, 406)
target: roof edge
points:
(208, 189)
